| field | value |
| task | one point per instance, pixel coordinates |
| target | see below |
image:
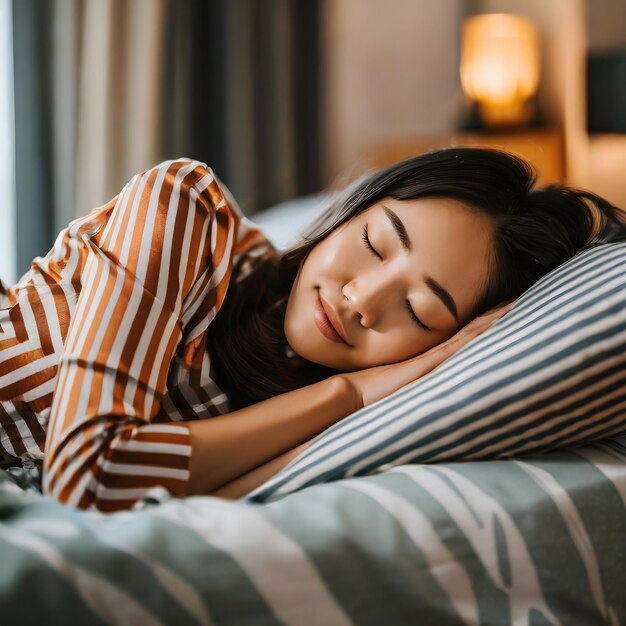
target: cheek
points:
(330, 255)
(301, 299)
(400, 347)
(391, 347)
(295, 298)
(407, 343)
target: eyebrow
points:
(433, 285)
(443, 295)
(396, 222)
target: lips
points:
(333, 319)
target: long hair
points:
(534, 231)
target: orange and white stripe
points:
(103, 342)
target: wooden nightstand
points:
(543, 148)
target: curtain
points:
(7, 150)
(243, 94)
(107, 88)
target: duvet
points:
(536, 540)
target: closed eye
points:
(414, 317)
(368, 243)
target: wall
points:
(606, 24)
(391, 69)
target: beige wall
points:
(606, 24)
(391, 68)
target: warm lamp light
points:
(500, 67)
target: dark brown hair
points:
(534, 231)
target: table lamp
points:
(500, 67)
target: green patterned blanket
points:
(533, 541)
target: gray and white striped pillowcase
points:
(550, 373)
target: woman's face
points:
(438, 273)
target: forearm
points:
(228, 446)
(251, 480)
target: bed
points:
(453, 501)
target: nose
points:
(369, 297)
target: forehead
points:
(448, 217)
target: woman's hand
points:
(371, 384)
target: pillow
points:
(282, 223)
(550, 373)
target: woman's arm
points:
(251, 480)
(226, 447)
(148, 284)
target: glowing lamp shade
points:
(500, 66)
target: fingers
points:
(492, 315)
(501, 308)
(482, 322)
(472, 329)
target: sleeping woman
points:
(163, 342)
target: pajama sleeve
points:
(156, 269)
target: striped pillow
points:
(549, 373)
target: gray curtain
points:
(243, 92)
(106, 88)
(33, 201)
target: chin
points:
(311, 354)
(327, 361)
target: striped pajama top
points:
(103, 341)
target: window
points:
(8, 257)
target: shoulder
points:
(181, 175)
(190, 170)
(185, 175)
